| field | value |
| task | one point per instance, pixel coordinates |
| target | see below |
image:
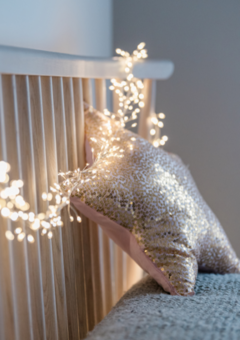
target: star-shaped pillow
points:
(146, 201)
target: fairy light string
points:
(131, 101)
(131, 97)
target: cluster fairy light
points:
(14, 207)
(131, 97)
(131, 101)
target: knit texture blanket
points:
(146, 312)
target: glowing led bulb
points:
(14, 216)
(154, 120)
(130, 76)
(19, 183)
(18, 230)
(50, 234)
(4, 167)
(21, 237)
(2, 177)
(9, 235)
(5, 212)
(152, 132)
(161, 115)
(49, 196)
(44, 196)
(141, 46)
(30, 238)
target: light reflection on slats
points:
(17, 112)
(35, 183)
(52, 171)
(8, 293)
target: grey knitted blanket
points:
(146, 312)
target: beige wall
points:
(82, 27)
(202, 99)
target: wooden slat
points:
(58, 279)
(40, 161)
(62, 156)
(8, 306)
(72, 131)
(134, 273)
(104, 242)
(17, 113)
(19, 279)
(83, 270)
(93, 228)
(100, 94)
(112, 252)
(28, 175)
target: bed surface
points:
(147, 312)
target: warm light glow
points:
(141, 46)
(18, 230)
(50, 234)
(14, 216)
(14, 207)
(21, 237)
(9, 235)
(5, 212)
(161, 115)
(30, 238)
(44, 196)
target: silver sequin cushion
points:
(152, 194)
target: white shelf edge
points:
(15, 60)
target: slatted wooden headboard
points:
(58, 288)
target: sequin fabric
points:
(152, 194)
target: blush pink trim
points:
(122, 237)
